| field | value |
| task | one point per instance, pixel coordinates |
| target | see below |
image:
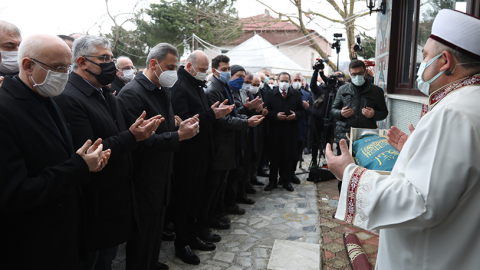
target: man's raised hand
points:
(259, 108)
(292, 116)
(306, 105)
(255, 120)
(253, 104)
(222, 109)
(142, 129)
(337, 164)
(93, 155)
(264, 111)
(281, 116)
(346, 112)
(178, 120)
(398, 138)
(368, 112)
(189, 128)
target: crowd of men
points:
(96, 154)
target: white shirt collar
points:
(286, 91)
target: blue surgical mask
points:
(246, 86)
(358, 80)
(224, 76)
(236, 84)
(266, 80)
(423, 86)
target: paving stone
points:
(261, 264)
(260, 252)
(234, 268)
(224, 256)
(309, 229)
(244, 261)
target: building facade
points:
(401, 35)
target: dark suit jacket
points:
(153, 158)
(225, 142)
(117, 85)
(41, 224)
(108, 199)
(283, 141)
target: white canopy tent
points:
(256, 53)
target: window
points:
(412, 25)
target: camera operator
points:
(320, 108)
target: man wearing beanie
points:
(430, 200)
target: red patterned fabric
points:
(356, 254)
(352, 194)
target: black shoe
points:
(168, 236)
(256, 182)
(288, 187)
(270, 186)
(295, 180)
(162, 266)
(208, 236)
(250, 190)
(219, 225)
(224, 218)
(186, 254)
(200, 245)
(245, 200)
(262, 173)
(235, 210)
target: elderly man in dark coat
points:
(191, 162)
(91, 110)
(285, 109)
(41, 209)
(153, 158)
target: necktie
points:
(284, 94)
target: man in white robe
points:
(427, 210)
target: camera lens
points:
(356, 48)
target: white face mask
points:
(296, 85)
(262, 85)
(271, 85)
(53, 84)
(167, 78)
(200, 75)
(127, 75)
(284, 86)
(254, 89)
(9, 64)
(275, 83)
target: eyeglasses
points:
(128, 68)
(60, 69)
(106, 58)
(358, 74)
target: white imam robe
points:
(428, 209)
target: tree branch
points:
(337, 8)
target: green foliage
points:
(215, 21)
(369, 45)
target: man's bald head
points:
(197, 61)
(10, 37)
(262, 76)
(48, 49)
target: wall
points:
(403, 109)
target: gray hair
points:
(467, 62)
(160, 52)
(297, 74)
(192, 58)
(29, 48)
(117, 64)
(249, 75)
(267, 69)
(258, 76)
(9, 28)
(87, 45)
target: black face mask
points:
(108, 72)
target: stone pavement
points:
(333, 251)
(248, 244)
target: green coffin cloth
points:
(374, 153)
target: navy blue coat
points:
(302, 124)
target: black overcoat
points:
(153, 158)
(117, 85)
(283, 134)
(40, 203)
(109, 198)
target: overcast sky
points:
(69, 16)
